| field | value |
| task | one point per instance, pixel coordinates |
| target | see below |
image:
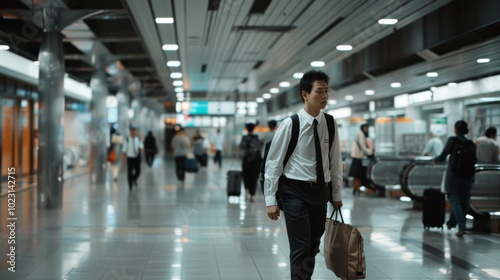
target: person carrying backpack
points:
(303, 178)
(250, 148)
(459, 175)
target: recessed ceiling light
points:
(170, 47)
(173, 63)
(349, 97)
(178, 83)
(259, 100)
(36, 62)
(179, 95)
(369, 92)
(4, 48)
(483, 60)
(387, 21)
(274, 90)
(163, 20)
(179, 89)
(344, 48)
(432, 74)
(266, 95)
(332, 101)
(176, 75)
(452, 84)
(298, 75)
(317, 64)
(395, 85)
(284, 84)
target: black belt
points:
(305, 183)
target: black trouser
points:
(133, 169)
(251, 170)
(150, 157)
(305, 216)
(180, 168)
(218, 157)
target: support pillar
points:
(99, 126)
(123, 104)
(50, 113)
(454, 111)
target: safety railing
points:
(485, 193)
(384, 171)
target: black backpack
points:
(464, 159)
(291, 148)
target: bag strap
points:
(294, 139)
(336, 212)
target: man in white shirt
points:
(304, 193)
(434, 146)
(487, 147)
(131, 151)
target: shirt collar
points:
(309, 119)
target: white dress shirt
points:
(302, 162)
(132, 146)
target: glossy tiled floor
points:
(172, 231)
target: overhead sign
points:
(208, 108)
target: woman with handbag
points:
(359, 151)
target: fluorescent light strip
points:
(284, 84)
(274, 90)
(173, 63)
(344, 48)
(266, 95)
(170, 47)
(395, 85)
(483, 60)
(388, 21)
(432, 74)
(317, 64)
(164, 20)
(298, 75)
(369, 92)
(178, 83)
(4, 48)
(176, 75)
(259, 100)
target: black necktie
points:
(320, 175)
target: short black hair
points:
(250, 127)
(462, 127)
(491, 132)
(307, 80)
(272, 124)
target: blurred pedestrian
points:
(218, 143)
(434, 146)
(180, 146)
(487, 146)
(150, 148)
(359, 150)
(250, 148)
(132, 149)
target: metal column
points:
(50, 112)
(100, 129)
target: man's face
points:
(133, 133)
(318, 98)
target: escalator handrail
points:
(403, 179)
(480, 167)
(376, 160)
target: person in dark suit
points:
(304, 187)
(151, 148)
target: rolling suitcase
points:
(234, 183)
(433, 208)
(191, 165)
